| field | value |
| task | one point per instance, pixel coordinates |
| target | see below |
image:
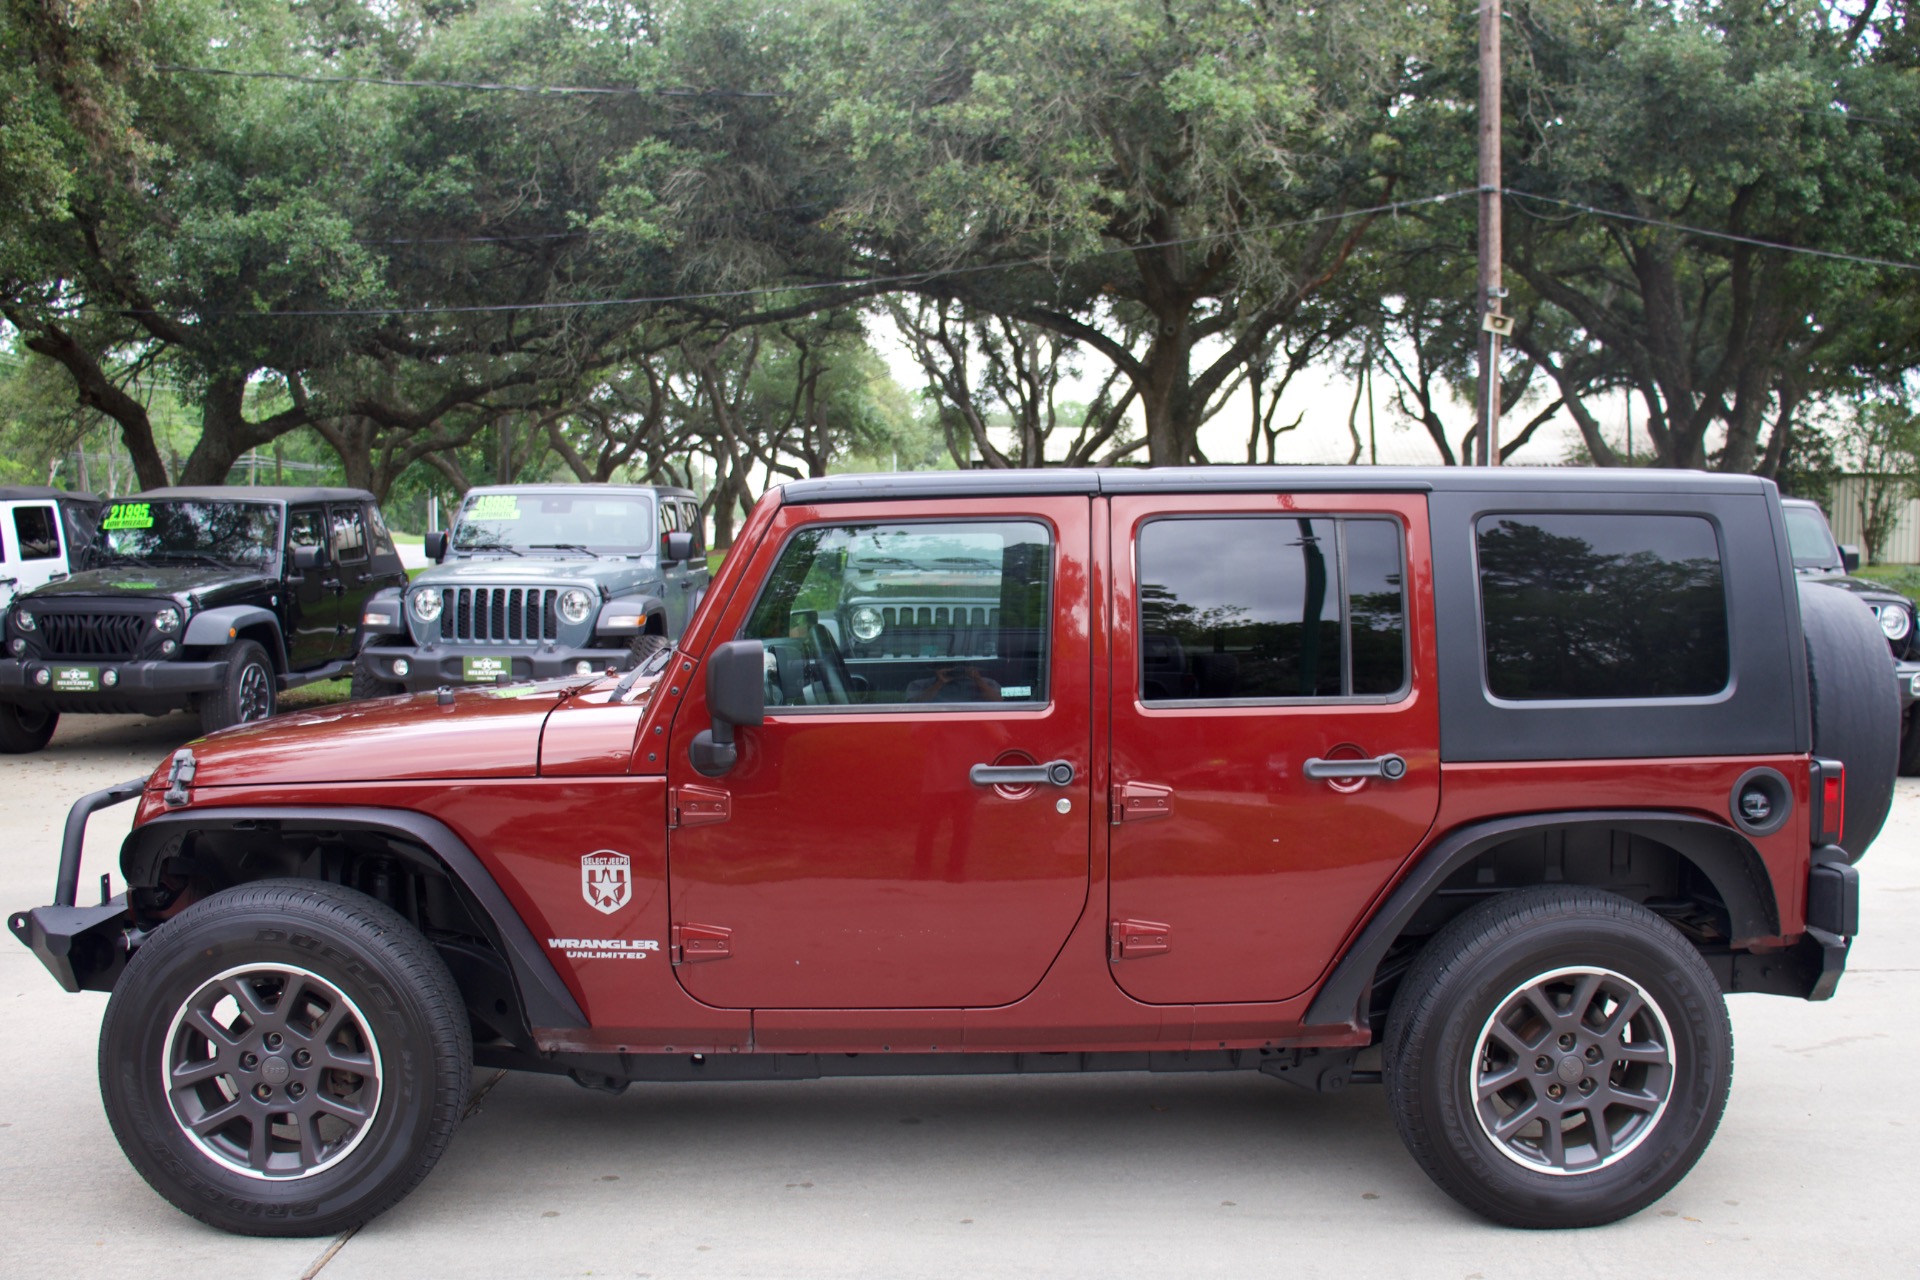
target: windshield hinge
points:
(698, 806)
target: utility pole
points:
(1494, 324)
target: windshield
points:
(230, 532)
(609, 523)
(1811, 540)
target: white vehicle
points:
(44, 534)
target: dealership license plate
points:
(76, 679)
(485, 670)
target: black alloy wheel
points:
(248, 693)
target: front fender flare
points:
(217, 627)
(544, 998)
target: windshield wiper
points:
(656, 661)
(563, 546)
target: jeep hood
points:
(173, 582)
(532, 571)
(481, 733)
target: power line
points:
(856, 282)
(473, 86)
(1777, 245)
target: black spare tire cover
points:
(1856, 709)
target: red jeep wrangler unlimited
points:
(1510, 773)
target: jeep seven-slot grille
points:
(498, 615)
(92, 635)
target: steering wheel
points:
(833, 668)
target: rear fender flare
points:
(1721, 854)
(544, 998)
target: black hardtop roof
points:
(582, 486)
(248, 493)
(33, 492)
(1243, 479)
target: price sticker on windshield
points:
(495, 506)
(129, 515)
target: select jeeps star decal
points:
(606, 880)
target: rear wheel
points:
(1558, 1057)
(285, 1058)
(23, 731)
(248, 693)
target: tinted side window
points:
(38, 535)
(908, 613)
(1261, 608)
(1602, 606)
(304, 528)
(382, 540)
(349, 535)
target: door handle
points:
(1054, 773)
(1390, 768)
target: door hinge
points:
(692, 943)
(699, 806)
(1133, 939)
(1139, 801)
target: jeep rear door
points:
(864, 860)
(1261, 643)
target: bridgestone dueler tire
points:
(1856, 708)
(1476, 965)
(390, 976)
(23, 732)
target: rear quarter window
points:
(1602, 606)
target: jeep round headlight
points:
(574, 604)
(167, 620)
(1896, 622)
(426, 605)
(23, 619)
(866, 622)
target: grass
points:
(320, 693)
(1904, 578)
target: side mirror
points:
(1850, 558)
(307, 559)
(436, 545)
(736, 695)
(677, 546)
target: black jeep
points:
(212, 598)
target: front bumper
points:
(145, 687)
(84, 948)
(1907, 675)
(448, 664)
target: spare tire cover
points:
(1856, 708)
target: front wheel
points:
(23, 732)
(248, 692)
(1558, 1057)
(285, 1058)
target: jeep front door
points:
(1275, 734)
(885, 843)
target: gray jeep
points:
(536, 581)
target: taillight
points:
(1829, 801)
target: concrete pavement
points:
(1156, 1176)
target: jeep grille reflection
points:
(498, 615)
(913, 630)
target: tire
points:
(1910, 746)
(365, 685)
(22, 731)
(1463, 1018)
(1856, 708)
(645, 646)
(249, 692)
(398, 1025)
